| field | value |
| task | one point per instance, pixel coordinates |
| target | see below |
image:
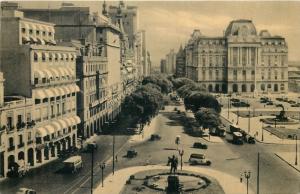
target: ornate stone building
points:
(240, 61)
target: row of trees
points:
(144, 103)
(205, 107)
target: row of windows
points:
(52, 57)
(37, 32)
(91, 84)
(98, 109)
(274, 59)
(275, 88)
(47, 81)
(269, 74)
(95, 67)
(94, 97)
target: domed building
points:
(240, 61)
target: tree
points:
(188, 89)
(179, 82)
(144, 103)
(164, 84)
(207, 118)
(196, 100)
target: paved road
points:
(47, 179)
(276, 176)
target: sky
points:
(168, 24)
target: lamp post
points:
(296, 154)
(247, 175)
(237, 115)
(113, 144)
(90, 146)
(102, 166)
(262, 131)
(249, 119)
(181, 152)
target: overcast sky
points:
(170, 23)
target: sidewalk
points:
(213, 139)
(255, 128)
(146, 133)
(289, 158)
(115, 183)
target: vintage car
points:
(199, 159)
(131, 153)
(200, 145)
(73, 164)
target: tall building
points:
(171, 62)
(163, 66)
(240, 61)
(43, 121)
(141, 54)
(180, 63)
(129, 16)
(101, 53)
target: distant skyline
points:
(168, 24)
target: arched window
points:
(43, 57)
(235, 88)
(275, 87)
(244, 88)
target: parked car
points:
(155, 137)
(291, 102)
(295, 105)
(73, 164)
(131, 153)
(270, 103)
(279, 99)
(199, 159)
(249, 139)
(26, 191)
(278, 105)
(240, 104)
(234, 100)
(199, 145)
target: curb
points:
(287, 162)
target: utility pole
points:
(257, 178)
(113, 152)
(92, 171)
(296, 156)
(102, 166)
(262, 131)
(181, 152)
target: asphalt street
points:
(276, 177)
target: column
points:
(42, 156)
(5, 164)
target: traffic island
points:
(155, 181)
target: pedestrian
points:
(175, 164)
(116, 158)
(169, 161)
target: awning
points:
(56, 126)
(47, 73)
(50, 129)
(25, 39)
(66, 89)
(39, 74)
(62, 123)
(40, 94)
(41, 132)
(33, 39)
(61, 71)
(54, 91)
(32, 26)
(49, 93)
(60, 91)
(40, 41)
(69, 121)
(75, 120)
(24, 25)
(54, 72)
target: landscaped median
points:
(219, 181)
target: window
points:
(210, 74)
(244, 56)
(217, 74)
(276, 74)
(282, 75)
(56, 57)
(235, 56)
(57, 109)
(23, 30)
(29, 136)
(20, 139)
(9, 122)
(43, 57)
(52, 110)
(35, 57)
(36, 80)
(37, 32)
(11, 142)
(253, 56)
(19, 119)
(44, 33)
(210, 61)
(269, 74)
(50, 33)
(50, 57)
(30, 31)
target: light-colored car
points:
(199, 159)
(73, 164)
(26, 191)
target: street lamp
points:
(262, 131)
(237, 115)
(296, 156)
(247, 175)
(102, 166)
(181, 152)
(113, 148)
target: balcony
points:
(21, 145)
(11, 148)
(21, 125)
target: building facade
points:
(180, 63)
(171, 62)
(48, 79)
(241, 61)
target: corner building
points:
(43, 76)
(241, 61)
